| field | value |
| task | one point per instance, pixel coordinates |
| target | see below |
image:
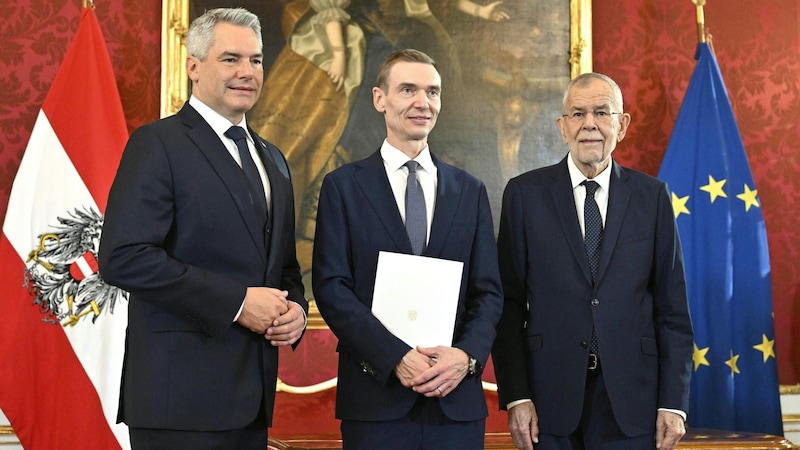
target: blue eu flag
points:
(718, 211)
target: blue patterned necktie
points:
(416, 217)
(593, 236)
(257, 196)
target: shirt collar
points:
(395, 159)
(216, 120)
(577, 177)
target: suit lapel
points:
(448, 198)
(280, 204)
(564, 203)
(372, 180)
(618, 198)
(229, 172)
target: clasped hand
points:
(267, 311)
(432, 371)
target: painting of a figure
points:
(504, 65)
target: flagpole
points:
(88, 4)
(701, 21)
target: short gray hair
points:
(585, 78)
(200, 37)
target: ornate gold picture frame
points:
(502, 78)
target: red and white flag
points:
(63, 329)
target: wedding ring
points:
(439, 389)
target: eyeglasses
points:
(601, 116)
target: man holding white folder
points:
(402, 239)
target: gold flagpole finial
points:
(701, 21)
(88, 4)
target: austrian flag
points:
(62, 338)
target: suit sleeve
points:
(339, 295)
(672, 320)
(508, 354)
(484, 298)
(138, 232)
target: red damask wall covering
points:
(646, 45)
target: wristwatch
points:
(472, 368)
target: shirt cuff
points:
(517, 402)
(675, 411)
(305, 316)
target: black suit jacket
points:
(181, 236)
(638, 304)
(358, 217)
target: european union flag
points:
(717, 208)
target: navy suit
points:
(638, 303)
(358, 217)
(181, 236)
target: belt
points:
(594, 361)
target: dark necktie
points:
(593, 224)
(416, 217)
(257, 196)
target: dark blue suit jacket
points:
(640, 313)
(358, 217)
(181, 236)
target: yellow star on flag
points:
(714, 188)
(766, 347)
(699, 357)
(748, 197)
(679, 205)
(732, 363)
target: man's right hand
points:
(412, 364)
(523, 423)
(262, 305)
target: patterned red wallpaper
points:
(647, 46)
(35, 35)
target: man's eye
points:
(601, 113)
(577, 115)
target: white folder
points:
(416, 297)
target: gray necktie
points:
(416, 217)
(593, 224)
(257, 196)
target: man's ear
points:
(377, 99)
(624, 121)
(562, 128)
(192, 68)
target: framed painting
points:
(504, 66)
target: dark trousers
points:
(424, 427)
(597, 429)
(251, 437)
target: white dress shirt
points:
(394, 162)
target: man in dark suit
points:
(207, 251)
(389, 395)
(594, 347)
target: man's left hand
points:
(669, 430)
(444, 376)
(288, 327)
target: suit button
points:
(595, 302)
(584, 344)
